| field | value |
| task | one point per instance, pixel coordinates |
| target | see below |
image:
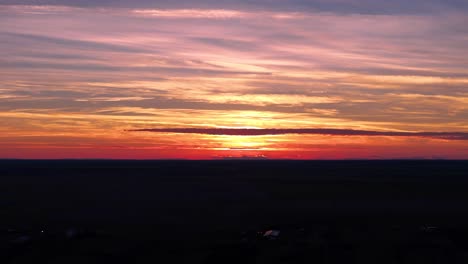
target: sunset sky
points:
(317, 79)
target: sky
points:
(317, 79)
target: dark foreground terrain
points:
(219, 211)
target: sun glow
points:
(83, 92)
(243, 143)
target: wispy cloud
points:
(340, 6)
(191, 13)
(368, 66)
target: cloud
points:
(174, 71)
(342, 6)
(309, 131)
(190, 13)
(63, 42)
(368, 64)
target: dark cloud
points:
(342, 6)
(310, 131)
(156, 102)
(58, 56)
(20, 38)
(227, 43)
(94, 67)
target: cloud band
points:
(309, 131)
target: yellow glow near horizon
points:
(82, 91)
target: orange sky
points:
(75, 79)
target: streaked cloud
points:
(190, 13)
(75, 70)
(341, 6)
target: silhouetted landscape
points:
(233, 211)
